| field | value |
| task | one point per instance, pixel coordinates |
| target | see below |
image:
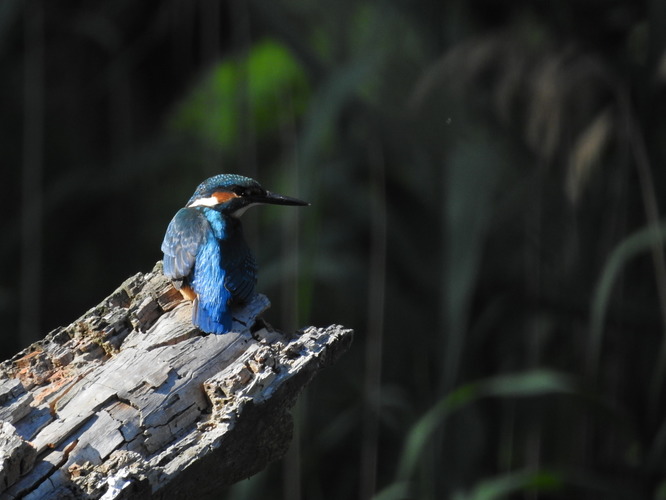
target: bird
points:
(205, 254)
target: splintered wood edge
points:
(132, 398)
(249, 427)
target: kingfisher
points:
(205, 254)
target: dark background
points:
(486, 180)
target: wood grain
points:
(133, 401)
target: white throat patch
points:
(211, 201)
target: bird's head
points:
(232, 194)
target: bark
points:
(132, 401)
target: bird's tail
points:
(205, 319)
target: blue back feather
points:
(212, 312)
(206, 250)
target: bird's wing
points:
(241, 270)
(183, 237)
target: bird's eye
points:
(239, 191)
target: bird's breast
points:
(223, 227)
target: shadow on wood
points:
(132, 400)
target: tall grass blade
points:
(470, 190)
(639, 242)
(374, 345)
(527, 384)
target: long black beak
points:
(279, 199)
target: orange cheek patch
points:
(224, 196)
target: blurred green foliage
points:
(269, 76)
(486, 191)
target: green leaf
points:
(395, 491)
(473, 172)
(269, 79)
(506, 484)
(527, 384)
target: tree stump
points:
(132, 401)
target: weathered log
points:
(132, 401)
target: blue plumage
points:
(205, 252)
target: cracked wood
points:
(132, 400)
